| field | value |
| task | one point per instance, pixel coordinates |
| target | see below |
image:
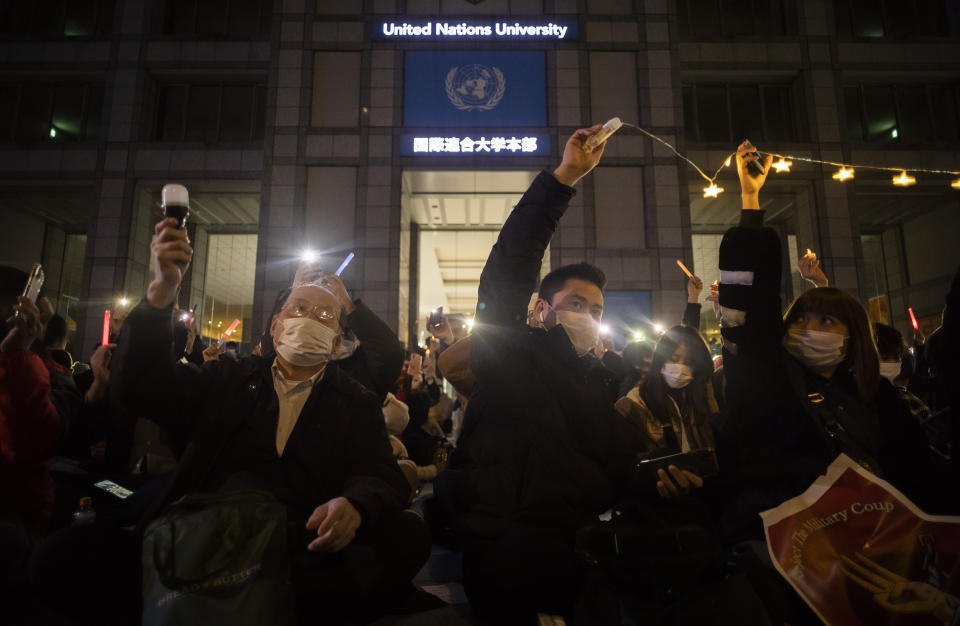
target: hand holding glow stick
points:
(227, 333)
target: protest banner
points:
(860, 553)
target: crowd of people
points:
(168, 481)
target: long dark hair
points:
(655, 391)
(861, 358)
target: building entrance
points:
(454, 217)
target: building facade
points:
(301, 125)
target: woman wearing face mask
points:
(673, 404)
(801, 388)
(897, 365)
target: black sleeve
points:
(904, 453)
(66, 397)
(383, 351)
(513, 267)
(614, 364)
(750, 259)
(511, 272)
(751, 321)
(146, 381)
(196, 353)
(950, 367)
(691, 315)
(376, 483)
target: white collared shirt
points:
(291, 396)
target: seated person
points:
(32, 420)
(895, 368)
(291, 424)
(775, 441)
(370, 351)
(673, 405)
(396, 415)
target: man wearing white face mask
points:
(542, 451)
(290, 423)
(369, 350)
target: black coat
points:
(542, 445)
(378, 359)
(771, 446)
(339, 446)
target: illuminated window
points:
(50, 111)
(907, 114)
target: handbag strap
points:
(822, 411)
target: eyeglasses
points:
(299, 309)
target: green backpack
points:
(218, 559)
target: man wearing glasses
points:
(292, 424)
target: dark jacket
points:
(377, 361)
(339, 446)
(542, 446)
(195, 354)
(771, 445)
(691, 315)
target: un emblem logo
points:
(475, 87)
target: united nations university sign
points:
(554, 29)
(475, 87)
(471, 89)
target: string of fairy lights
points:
(783, 162)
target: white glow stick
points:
(345, 263)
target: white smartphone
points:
(34, 283)
(612, 126)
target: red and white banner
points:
(860, 553)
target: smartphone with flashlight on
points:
(436, 318)
(187, 316)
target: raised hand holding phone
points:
(578, 159)
(751, 183)
(29, 321)
(171, 254)
(34, 283)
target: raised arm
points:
(691, 314)
(511, 272)
(750, 273)
(144, 376)
(383, 349)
